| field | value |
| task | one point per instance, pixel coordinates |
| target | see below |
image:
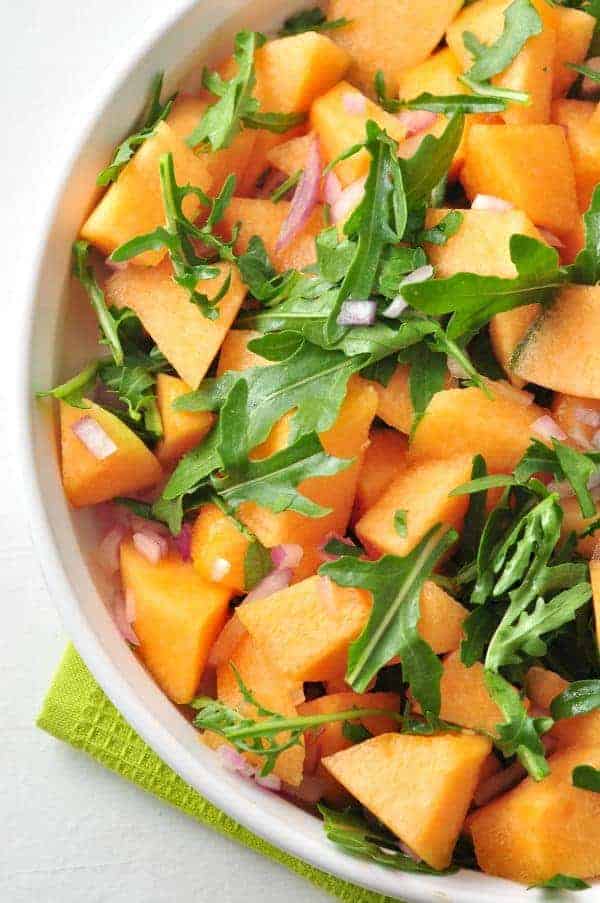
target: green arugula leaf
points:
(356, 733)
(586, 71)
(310, 20)
(257, 564)
(580, 698)
(357, 837)
(395, 584)
(155, 113)
(444, 104)
(521, 22)
(339, 548)
(400, 525)
(74, 390)
(486, 89)
(134, 383)
(586, 269)
(482, 484)
(258, 273)
(427, 377)
(478, 628)
(83, 271)
(445, 229)
(565, 464)
(562, 882)
(474, 521)
(519, 734)
(427, 167)
(586, 777)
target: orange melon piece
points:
(291, 156)
(187, 339)
(438, 74)
(330, 739)
(305, 630)
(561, 351)
(178, 616)
(338, 129)
(133, 204)
(184, 117)
(264, 218)
(441, 619)
(181, 430)
(235, 354)
(542, 686)
(217, 539)
(542, 829)
(384, 35)
(574, 30)
(466, 421)
(419, 787)
(573, 521)
(394, 405)
(383, 460)
(258, 164)
(274, 693)
(578, 417)
(422, 491)
(575, 116)
(532, 69)
(517, 163)
(88, 480)
(291, 72)
(465, 699)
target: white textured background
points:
(70, 831)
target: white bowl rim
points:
(322, 855)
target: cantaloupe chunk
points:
(394, 405)
(233, 160)
(390, 36)
(187, 339)
(330, 739)
(578, 417)
(543, 828)
(542, 686)
(575, 116)
(264, 218)
(338, 128)
(291, 156)
(465, 699)
(178, 616)
(532, 69)
(419, 787)
(574, 522)
(305, 630)
(235, 354)
(422, 491)
(383, 460)
(518, 163)
(217, 538)
(438, 74)
(561, 351)
(574, 30)
(89, 480)
(258, 164)
(467, 421)
(133, 204)
(272, 690)
(181, 429)
(291, 72)
(441, 619)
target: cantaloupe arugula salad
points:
(343, 436)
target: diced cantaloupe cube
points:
(561, 351)
(574, 522)
(542, 686)
(217, 541)
(133, 204)
(330, 739)
(272, 691)
(419, 787)
(305, 630)
(178, 616)
(182, 430)
(88, 479)
(383, 460)
(264, 218)
(421, 490)
(575, 116)
(258, 164)
(543, 828)
(574, 30)
(465, 699)
(394, 405)
(438, 74)
(441, 619)
(389, 36)
(290, 157)
(579, 418)
(467, 421)
(518, 163)
(338, 126)
(531, 71)
(292, 71)
(185, 336)
(235, 354)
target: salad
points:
(342, 434)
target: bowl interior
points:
(59, 337)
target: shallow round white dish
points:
(51, 345)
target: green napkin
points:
(77, 711)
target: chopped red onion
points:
(547, 428)
(395, 308)
(130, 605)
(288, 555)
(332, 189)
(348, 201)
(590, 88)
(151, 545)
(422, 274)
(357, 313)
(587, 416)
(416, 121)
(219, 569)
(456, 369)
(114, 265)
(120, 618)
(272, 583)
(550, 238)
(490, 202)
(310, 791)
(305, 197)
(183, 542)
(354, 103)
(94, 437)
(108, 550)
(562, 488)
(596, 439)
(232, 761)
(269, 782)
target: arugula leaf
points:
(134, 383)
(155, 113)
(74, 390)
(360, 838)
(519, 734)
(356, 733)
(427, 377)
(586, 777)
(475, 517)
(478, 628)
(257, 563)
(445, 229)
(445, 104)
(395, 584)
(400, 525)
(586, 269)
(310, 20)
(587, 71)
(580, 698)
(521, 22)
(562, 882)
(564, 463)
(236, 107)
(473, 300)
(258, 273)
(486, 89)
(339, 548)
(427, 167)
(83, 271)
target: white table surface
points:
(69, 830)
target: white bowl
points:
(51, 346)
